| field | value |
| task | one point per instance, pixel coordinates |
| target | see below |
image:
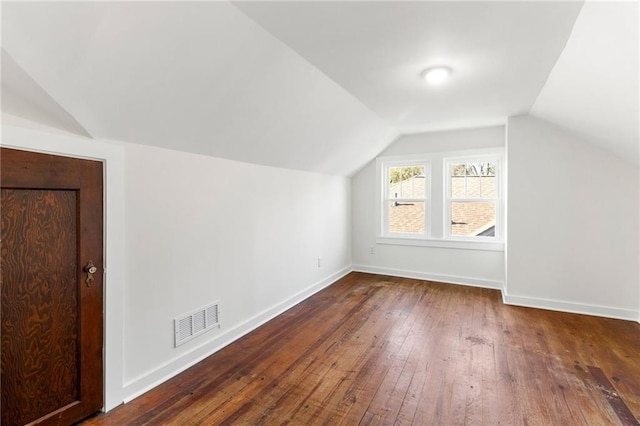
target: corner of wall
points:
(549, 264)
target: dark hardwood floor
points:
(381, 350)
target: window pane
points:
(473, 218)
(407, 182)
(473, 180)
(405, 217)
(488, 184)
(473, 186)
(457, 187)
(458, 169)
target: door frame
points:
(112, 156)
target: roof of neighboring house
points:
(468, 217)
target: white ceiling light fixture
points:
(436, 75)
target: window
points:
(448, 199)
(471, 199)
(405, 199)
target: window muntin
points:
(406, 187)
(471, 198)
(447, 196)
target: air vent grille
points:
(199, 321)
(212, 316)
(185, 328)
(195, 323)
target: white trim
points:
(113, 157)
(454, 244)
(383, 165)
(570, 307)
(144, 383)
(505, 205)
(498, 159)
(448, 279)
(437, 232)
(523, 301)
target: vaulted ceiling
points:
(501, 53)
(319, 86)
(593, 90)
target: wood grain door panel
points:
(51, 226)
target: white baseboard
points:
(529, 302)
(163, 373)
(140, 385)
(450, 279)
(571, 307)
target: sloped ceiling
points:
(199, 77)
(319, 86)
(501, 53)
(593, 88)
(23, 97)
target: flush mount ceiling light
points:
(436, 75)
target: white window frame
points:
(383, 189)
(448, 161)
(436, 189)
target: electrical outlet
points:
(372, 250)
(319, 262)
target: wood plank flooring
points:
(382, 350)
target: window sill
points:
(453, 244)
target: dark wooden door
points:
(51, 227)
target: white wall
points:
(572, 237)
(473, 267)
(184, 230)
(201, 229)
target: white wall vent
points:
(195, 323)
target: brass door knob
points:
(90, 269)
